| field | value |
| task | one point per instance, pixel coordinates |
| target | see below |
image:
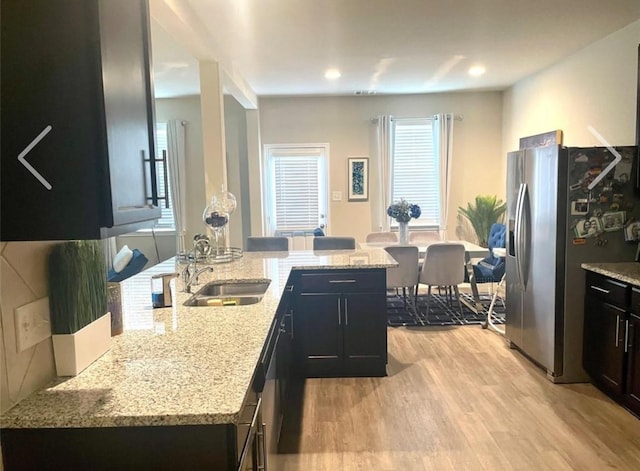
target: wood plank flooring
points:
(456, 399)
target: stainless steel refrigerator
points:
(565, 206)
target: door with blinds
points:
(296, 191)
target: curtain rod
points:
(456, 117)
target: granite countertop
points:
(629, 272)
(179, 365)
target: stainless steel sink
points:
(229, 293)
(234, 288)
(222, 301)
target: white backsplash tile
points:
(24, 280)
(30, 261)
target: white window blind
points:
(166, 220)
(414, 169)
(296, 188)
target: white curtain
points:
(110, 250)
(444, 147)
(383, 144)
(176, 151)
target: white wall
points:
(345, 123)
(597, 86)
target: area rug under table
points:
(442, 311)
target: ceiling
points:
(283, 47)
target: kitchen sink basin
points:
(234, 288)
(229, 293)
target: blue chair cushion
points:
(490, 268)
(135, 266)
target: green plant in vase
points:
(77, 285)
(488, 209)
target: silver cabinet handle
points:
(262, 454)
(602, 290)
(346, 311)
(339, 316)
(626, 336)
(252, 432)
(342, 281)
(617, 328)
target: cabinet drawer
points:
(611, 291)
(347, 282)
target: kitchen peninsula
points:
(175, 385)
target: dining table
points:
(471, 251)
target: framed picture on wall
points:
(358, 168)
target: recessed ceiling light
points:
(477, 70)
(332, 74)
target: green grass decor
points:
(77, 285)
(487, 210)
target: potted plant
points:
(487, 210)
(80, 323)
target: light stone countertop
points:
(179, 365)
(629, 272)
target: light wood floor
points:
(457, 399)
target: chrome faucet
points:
(193, 279)
(201, 247)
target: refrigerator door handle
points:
(518, 235)
(525, 237)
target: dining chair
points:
(333, 243)
(491, 268)
(391, 237)
(267, 244)
(405, 275)
(415, 237)
(443, 267)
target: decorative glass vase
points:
(403, 233)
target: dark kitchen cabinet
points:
(340, 323)
(277, 378)
(77, 119)
(603, 355)
(610, 343)
(632, 391)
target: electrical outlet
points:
(336, 196)
(32, 323)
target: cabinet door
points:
(51, 105)
(318, 321)
(128, 110)
(603, 347)
(632, 393)
(364, 325)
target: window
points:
(415, 169)
(295, 188)
(166, 220)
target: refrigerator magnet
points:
(580, 207)
(632, 232)
(588, 227)
(613, 221)
(580, 241)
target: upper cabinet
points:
(77, 119)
